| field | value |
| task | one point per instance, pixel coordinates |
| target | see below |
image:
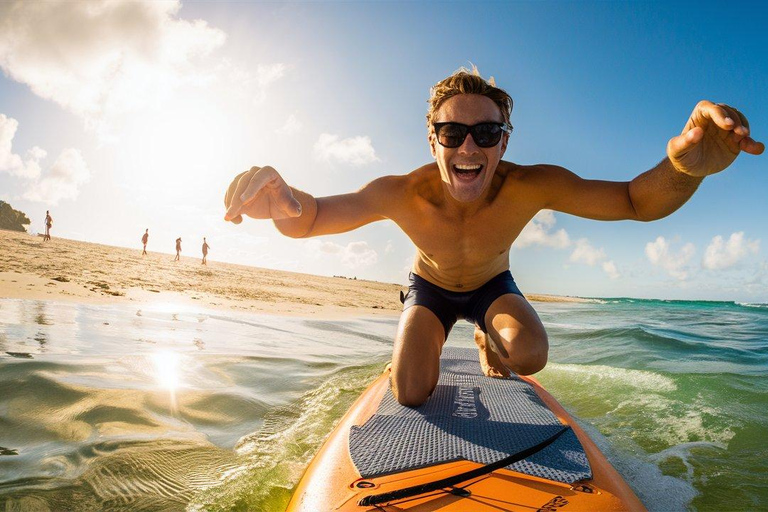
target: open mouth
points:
(466, 172)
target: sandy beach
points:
(71, 270)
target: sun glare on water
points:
(167, 373)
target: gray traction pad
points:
(468, 417)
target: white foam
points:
(674, 422)
(573, 327)
(683, 452)
(594, 301)
(760, 305)
(641, 379)
(657, 491)
(277, 454)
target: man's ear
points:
(432, 142)
(504, 141)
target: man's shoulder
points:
(411, 181)
(525, 172)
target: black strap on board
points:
(452, 481)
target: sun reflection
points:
(167, 372)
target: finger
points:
(742, 117)
(236, 203)
(262, 181)
(738, 126)
(744, 122)
(751, 146)
(240, 182)
(680, 145)
(230, 193)
(716, 114)
(285, 201)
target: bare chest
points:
(457, 245)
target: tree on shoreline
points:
(11, 219)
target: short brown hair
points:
(465, 81)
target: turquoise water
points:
(167, 408)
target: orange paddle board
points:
(332, 482)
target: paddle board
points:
(477, 444)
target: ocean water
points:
(166, 408)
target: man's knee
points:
(529, 350)
(532, 361)
(409, 393)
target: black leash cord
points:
(452, 481)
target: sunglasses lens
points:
(486, 135)
(452, 135)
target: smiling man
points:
(464, 211)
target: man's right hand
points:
(260, 193)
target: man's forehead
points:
(468, 109)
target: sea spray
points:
(273, 458)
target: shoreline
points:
(91, 273)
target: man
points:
(205, 251)
(48, 225)
(144, 240)
(464, 211)
(178, 249)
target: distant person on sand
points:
(464, 210)
(205, 251)
(144, 240)
(178, 249)
(48, 224)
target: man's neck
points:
(463, 210)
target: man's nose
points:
(469, 147)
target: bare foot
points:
(489, 360)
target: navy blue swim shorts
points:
(450, 306)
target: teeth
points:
(462, 167)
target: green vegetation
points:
(12, 219)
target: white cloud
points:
(265, 76)
(354, 255)
(12, 163)
(585, 253)
(721, 254)
(62, 181)
(67, 173)
(659, 253)
(100, 58)
(589, 255)
(354, 150)
(539, 232)
(610, 268)
(292, 125)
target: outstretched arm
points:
(261, 193)
(712, 139)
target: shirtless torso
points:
(464, 211)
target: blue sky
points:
(128, 115)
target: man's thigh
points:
(416, 356)
(518, 334)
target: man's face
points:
(467, 170)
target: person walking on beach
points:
(464, 211)
(144, 240)
(48, 225)
(178, 249)
(205, 251)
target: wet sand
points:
(70, 270)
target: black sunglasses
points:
(485, 135)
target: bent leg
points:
(416, 356)
(517, 334)
(489, 360)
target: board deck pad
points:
(468, 417)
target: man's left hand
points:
(711, 140)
